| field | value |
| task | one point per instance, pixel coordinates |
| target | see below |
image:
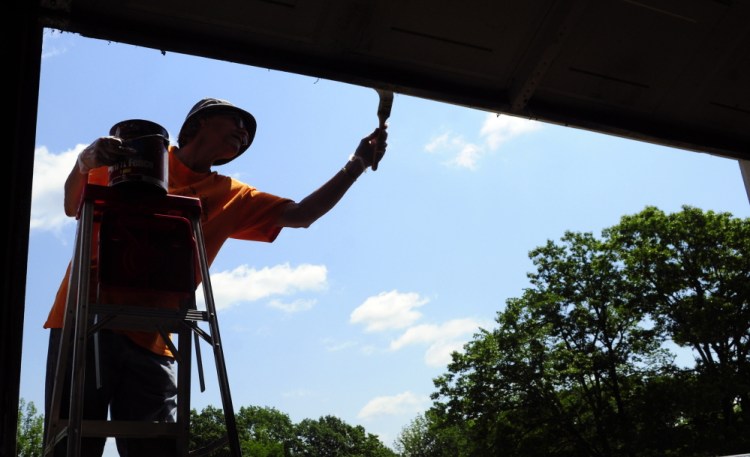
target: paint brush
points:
(384, 112)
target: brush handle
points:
(384, 112)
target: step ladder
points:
(111, 221)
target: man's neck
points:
(191, 158)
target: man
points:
(138, 367)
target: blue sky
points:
(354, 316)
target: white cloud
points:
(403, 403)
(299, 393)
(293, 306)
(54, 44)
(468, 156)
(245, 284)
(441, 340)
(495, 130)
(334, 346)
(50, 173)
(438, 354)
(437, 143)
(394, 310)
(388, 310)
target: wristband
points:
(360, 160)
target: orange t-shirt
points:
(230, 209)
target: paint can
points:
(147, 170)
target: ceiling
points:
(672, 72)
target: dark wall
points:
(22, 67)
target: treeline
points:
(267, 432)
(579, 365)
(262, 432)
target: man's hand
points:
(104, 151)
(372, 146)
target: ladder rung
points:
(124, 429)
(145, 318)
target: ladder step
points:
(145, 318)
(125, 429)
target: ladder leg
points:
(183, 391)
(80, 335)
(56, 426)
(221, 371)
(53, 421)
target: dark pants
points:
(136, 385)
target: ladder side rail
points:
(80, 334)
(226, 398)
(184, 367)
(56, 426)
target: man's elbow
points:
(301, 222)
(296, 216)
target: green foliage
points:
(266, 432)
(695, 271)
(422, 439)
(207, 429)
(577, 365)
(29, 436)
(330, 436)
(263, 432)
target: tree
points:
(267, 432)
(577, 366)
(415, 439)
(29, 438)
(207, 430)
(558, 374)
(694, 270)
(332, 437)
(420, 438)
